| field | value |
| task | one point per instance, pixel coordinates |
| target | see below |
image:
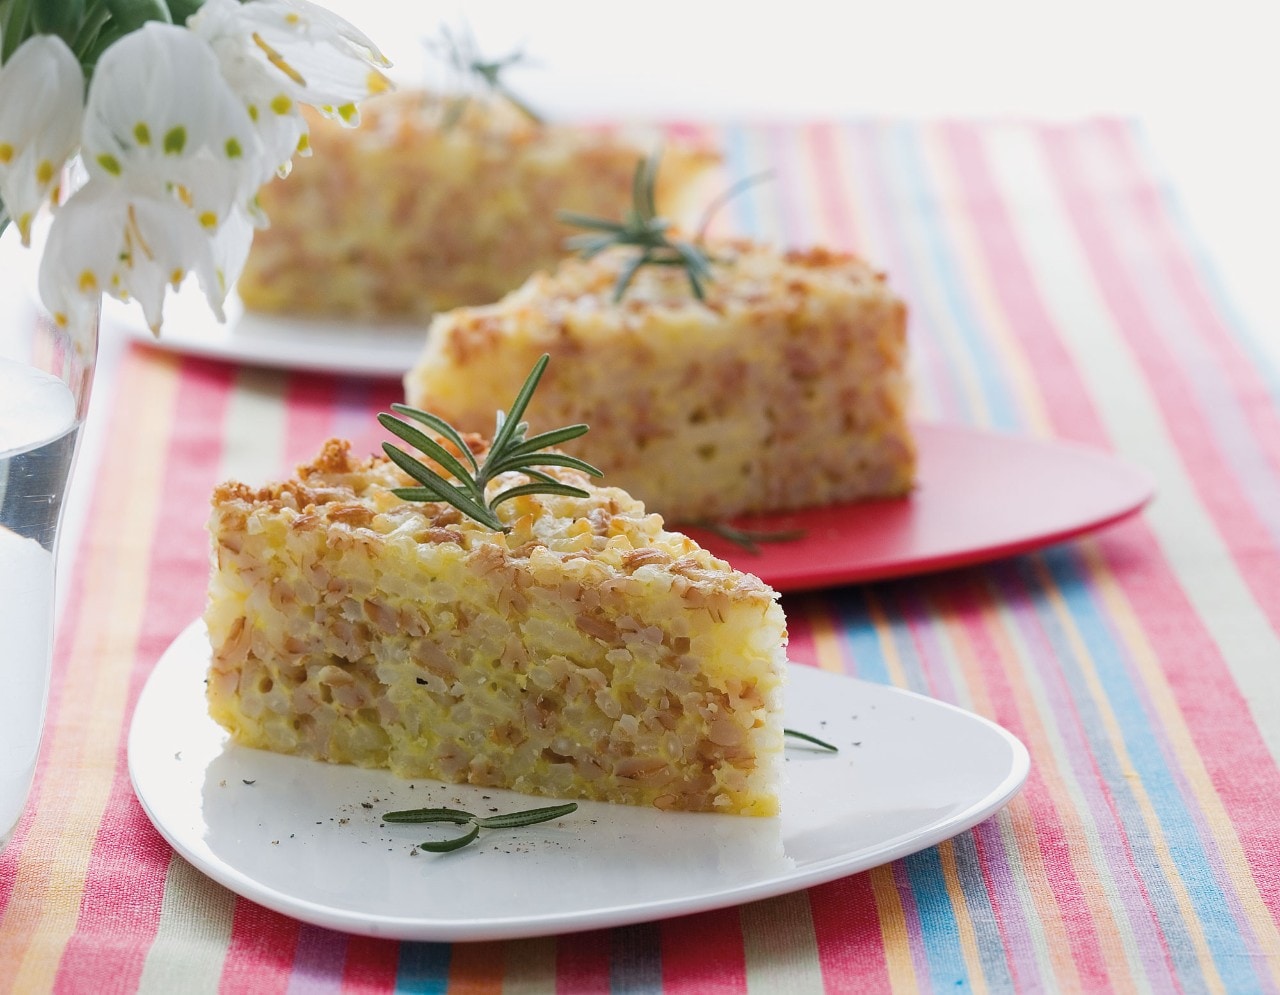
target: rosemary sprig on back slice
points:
(462, 53)
(644, 229)
(457, 817)
(510, 450)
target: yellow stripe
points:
(893, 931)
(827, 645)
(1222, 832)
(80, 750)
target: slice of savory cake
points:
(413, 213)
(784, 386)
(584, 653)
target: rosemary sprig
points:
(748, 539)
(457, 817)
(510, 450)
(814, 740)
(644, 229)
(463, 54)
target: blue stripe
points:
(852, 619)
(739, 165)
(423, 969)
(982, 914)
(939, 932)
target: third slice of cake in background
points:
(783, 387)
(430, 205)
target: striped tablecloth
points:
(1056, 291)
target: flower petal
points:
(41, 104)
(160, 116)
(107, 239)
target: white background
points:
(1204, 78)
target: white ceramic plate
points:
(349, 348)
(305, 838)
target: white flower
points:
(278, 54)
(41, 102)
(161, 117)
(105, 239)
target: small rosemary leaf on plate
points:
(530, 817)
(457, 843)
(814, 740)
(419, 815)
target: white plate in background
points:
(347, 348)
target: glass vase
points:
(45, 379)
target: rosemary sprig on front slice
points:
(644, 229)
(463, 54)
(457, 817)
(510, 450)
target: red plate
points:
(981, 495)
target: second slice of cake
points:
(784, 387)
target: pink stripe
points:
(703, 955)
(370, 966)
(124, 886)
(262, 951)
(1231, 749)
(846, 925)
(831, 195)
